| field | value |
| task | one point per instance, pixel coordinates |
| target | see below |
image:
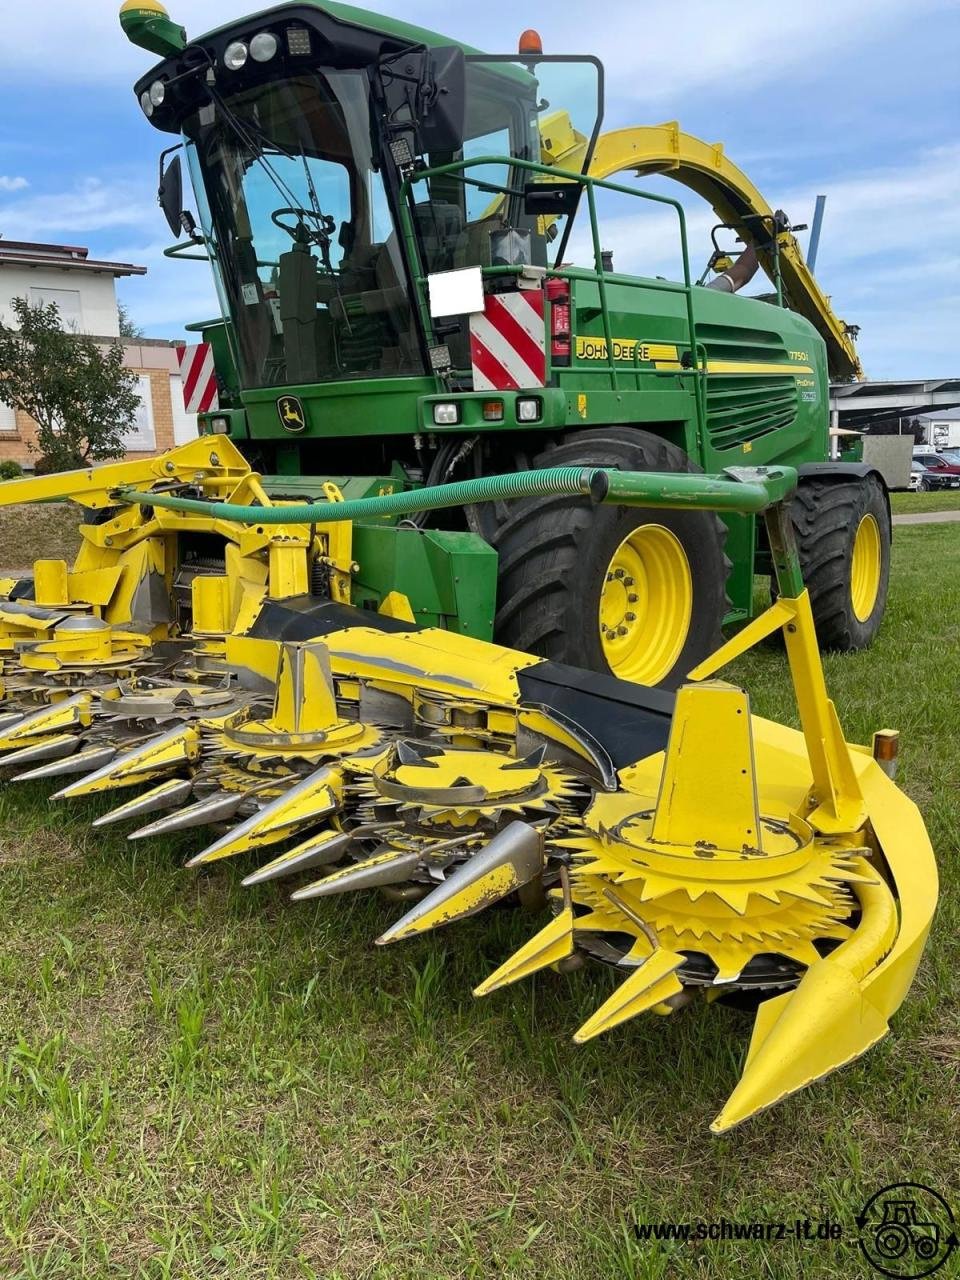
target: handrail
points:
(599, 275)
(179, 251)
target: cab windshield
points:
(299, 202)
(296, 216)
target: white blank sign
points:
(456, 293)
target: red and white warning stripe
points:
(508, 342)
(199, 378)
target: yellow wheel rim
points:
(865, 568)
(646, 605)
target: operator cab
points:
(301, 129)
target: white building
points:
(84, 290)
(942, 430)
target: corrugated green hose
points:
(629, 488)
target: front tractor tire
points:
(843, 539)
(640, 594)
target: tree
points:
(128, 326)
(79, 395)
(905, 426)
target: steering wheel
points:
(320, 232)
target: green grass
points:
(907, 503)
(198, 1080)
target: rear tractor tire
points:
(843, 538)
(637, 593)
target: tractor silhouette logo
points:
(907, 1231)
(292, 417)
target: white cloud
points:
(909, 210)
(90, 205)
(889, 259)
(50, 40)
(652, 53)
(83, 43)
(12, 184)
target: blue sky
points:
(857, 99)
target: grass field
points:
(906, 503)
(199, 1080)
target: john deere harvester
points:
(433, 429)
(393, 222)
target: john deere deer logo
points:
(291, 414)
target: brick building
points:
(84, 290)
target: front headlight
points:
(446, 414)
(263, 47)
(146, 103)
(235, 55)
(158, 91)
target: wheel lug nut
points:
(633, 597)
(621, 631)
(628, 582)
(618, 573)
(630, 617)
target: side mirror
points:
(551, 199)
(170, 195)
(443, 99)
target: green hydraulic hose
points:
(677, 491)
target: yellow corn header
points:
(701, 851)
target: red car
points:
(937, 462)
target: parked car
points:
(925, 452)
(917, 472)
(937, 467)
(929, 479)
